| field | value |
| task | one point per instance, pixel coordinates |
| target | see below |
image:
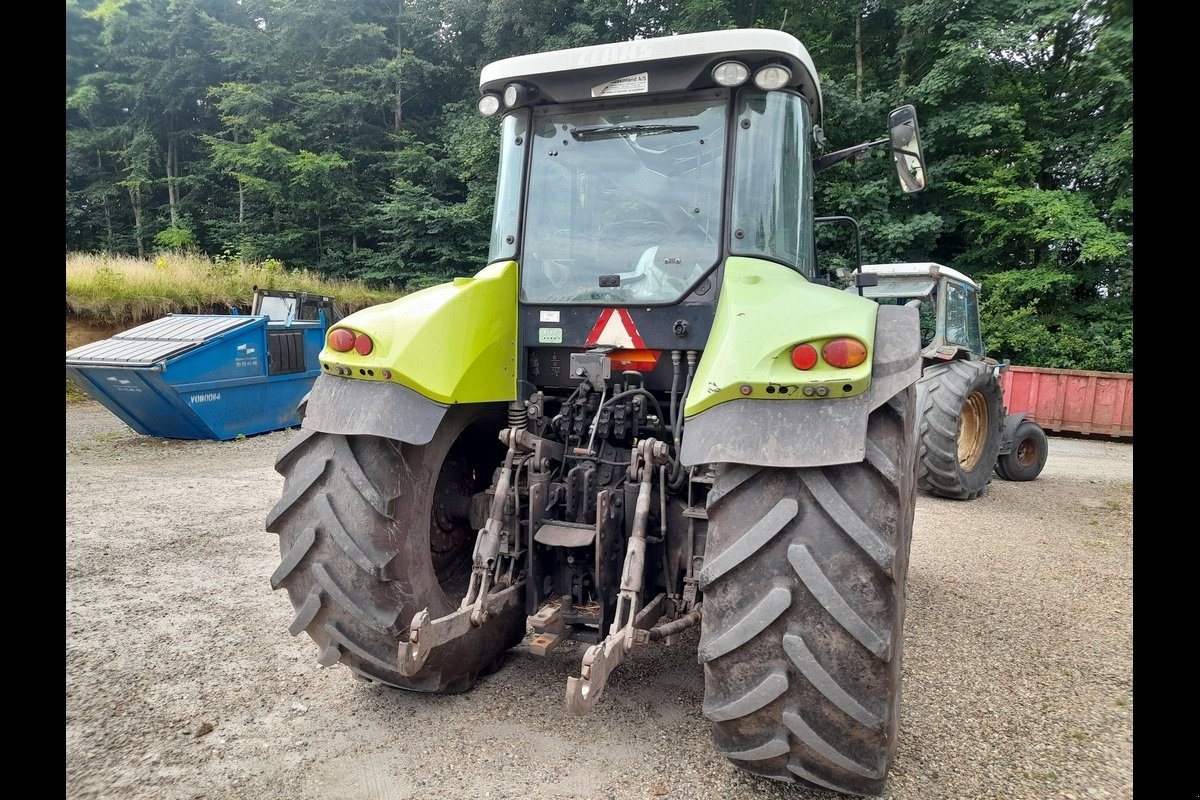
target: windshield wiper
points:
(627, 130)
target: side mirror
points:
(906, 148)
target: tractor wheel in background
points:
(961, 411)
(372, 531)
(1028, 455)
(804, 598)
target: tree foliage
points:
(340, 135)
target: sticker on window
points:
(630, 84)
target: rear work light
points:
(804, 356)
(844, 353)
(730, 73)
(772, 76)
(341, 340)
(363, 344)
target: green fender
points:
(448, 344)
(749, 405)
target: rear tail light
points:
(363, 344)
(804, 356)
(342, 340)
(844, 353)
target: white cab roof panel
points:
(751, 45)
(918, 268)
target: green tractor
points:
(966, 431)
(647, 412)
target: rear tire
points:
(961, 420)
(804, 601)
(371, 531)
(1028, 455)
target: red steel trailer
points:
(1079, 401)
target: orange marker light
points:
(363, 344)
(844, 353)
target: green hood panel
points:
(453, 343)
(766, 309)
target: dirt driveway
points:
(182, 681)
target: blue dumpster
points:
(201, 376)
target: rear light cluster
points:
(842, 353)
(344, 340)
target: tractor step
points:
(696, 512)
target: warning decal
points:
(615, 328)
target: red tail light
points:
(804, 356)
(341, 340)
(844, 353)
(363, 344)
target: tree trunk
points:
(135, 198)
(172, 174)
(905, 43)
(107, 224)
(104, 204)
(241, 202)
(858, 55)
(397, 121)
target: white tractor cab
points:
(948, 302)
(963, 380)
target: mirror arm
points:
(829, 159)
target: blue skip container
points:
(202, 376)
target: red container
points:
(1073, 400)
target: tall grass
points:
(122, 289)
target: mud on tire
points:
(961, 421)
(804, 604)
(371, 531)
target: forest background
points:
(340, 137)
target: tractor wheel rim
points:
(1027, 453)
(972, 431)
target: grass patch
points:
(122, 289)
(75, 394)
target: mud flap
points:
(375, 408)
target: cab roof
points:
(670, 63)
(918, 269)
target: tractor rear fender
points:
(448, 344)
(1008, 436)
(809, 433)
(451, 343)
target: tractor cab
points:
(948, 302)
(630, 173)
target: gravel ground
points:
(182, 681)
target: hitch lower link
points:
(492, 589)
(602, 658)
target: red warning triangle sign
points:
(615, 328)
